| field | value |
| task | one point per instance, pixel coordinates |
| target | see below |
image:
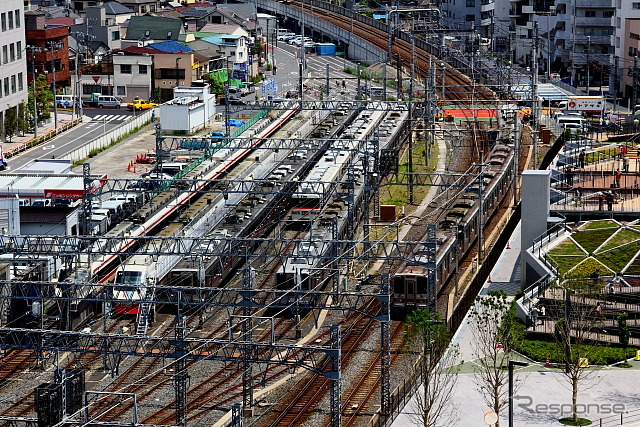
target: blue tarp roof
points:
(170, 46)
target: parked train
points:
(416, 284)
(337, 178)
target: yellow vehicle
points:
(140, 104)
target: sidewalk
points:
(19, 143)
(539, 387)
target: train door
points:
(410, 290)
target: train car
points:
(131, 285)
(416, 284)
(339, 207)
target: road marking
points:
(48, 147)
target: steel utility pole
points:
(34, 50)
(535, 111)
(54, 46)
(588, 68)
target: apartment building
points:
(13, 73)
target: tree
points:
(44, 97)
(10, 123)
(495, 334)
(428, 338)
(624, 333)
(577, 323)
(23, 118)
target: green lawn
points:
(605, 223)
(588, 266)
(620, 238)
(567, 247)
(591, 240)
(617, 259)
(565, 263)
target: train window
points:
(411, 285)
(398, 285)
(423, 286)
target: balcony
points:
(487, 7)
(594, 40)
(594, 4)
(583, 21)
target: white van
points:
(66, 101)
(572, 120)
(105, 101)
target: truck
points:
(583, 104)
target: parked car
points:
(140, 104)
(105, 101)
(285, 36)
(300, 41)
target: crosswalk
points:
(101, 118)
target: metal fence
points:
(108, 137)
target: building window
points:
(3, 18)
(152, 8)
(20, 81)
(19, 50)
(13, 84)
(6, 86)
(5, 54)
(143, 9)
(471, 3)
(12, 52)
(470, 18)
(10, 20)
(635, 6)
(590, 13)
(125, 69)
(89, 89)
(17, 18)
(142, 69)
(115, 35)
(121, 90)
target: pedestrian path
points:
(537, 387)
(19, 143)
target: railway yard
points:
(260, 282)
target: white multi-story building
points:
(13, 72)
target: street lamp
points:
(513, 363)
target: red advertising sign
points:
(63, 194)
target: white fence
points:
(106, 138)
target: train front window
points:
(128, 278)
(398, 285)
(411, 286)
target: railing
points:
(623, 418)
(108, 137)
(400, 397)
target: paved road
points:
(96, 122)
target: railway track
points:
(301, 401)
(360, 395)
(459, 86)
